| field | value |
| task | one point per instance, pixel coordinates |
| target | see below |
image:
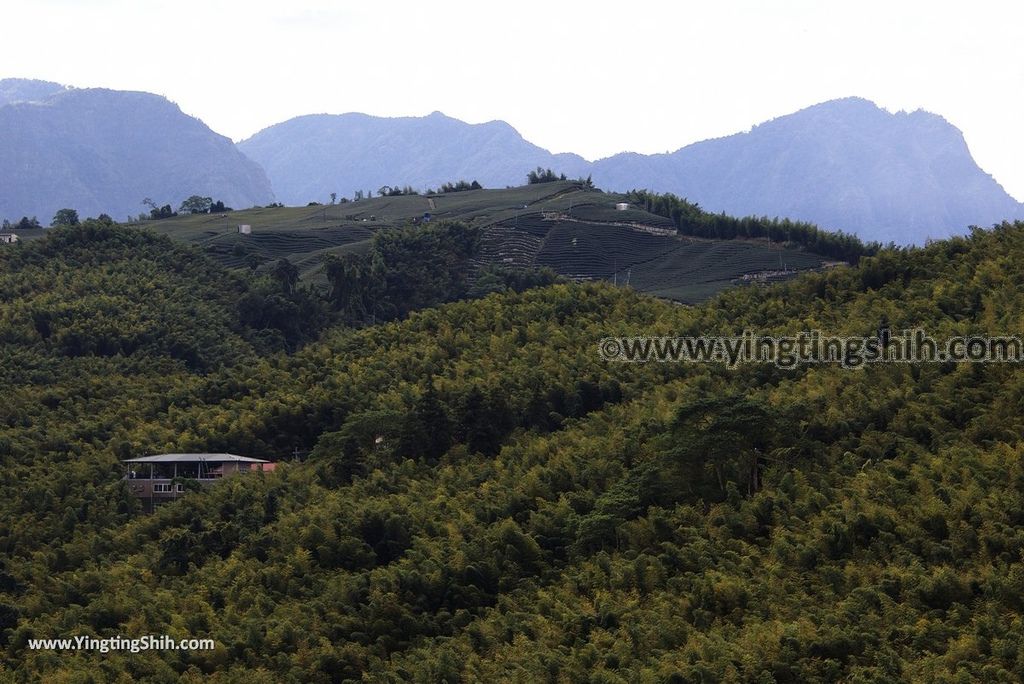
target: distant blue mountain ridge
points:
(845, 164)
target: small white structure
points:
(244, 229)
(622, 206)
(8, 238)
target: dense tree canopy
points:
(65, 217)
(195, 204)
(690, 219)
(486, 498)
(541, 175)
(405, 269)
(460, 186)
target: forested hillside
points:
(486, 499)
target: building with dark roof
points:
(165, 477)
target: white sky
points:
(593, 78)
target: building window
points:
(161, 487)
(179, 488)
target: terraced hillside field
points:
(303, 235)
(576, 231)
(674, 267)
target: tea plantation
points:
(575, 230)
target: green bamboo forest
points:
(465, 490)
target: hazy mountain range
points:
(309, 157)
(103, 151)
(844, 164)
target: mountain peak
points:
(15, 90)
(102, 151)
(849, 103)
(844, 164)
(310, 159)
(845, 110)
